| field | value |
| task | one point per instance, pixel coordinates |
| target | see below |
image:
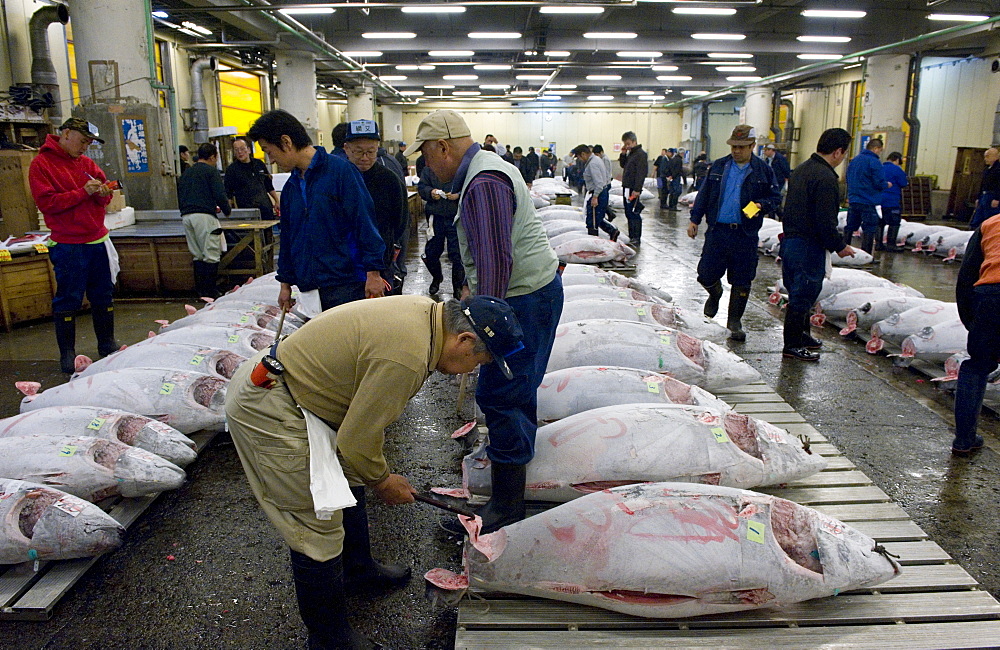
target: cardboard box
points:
(117, 202)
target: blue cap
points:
(672, 150)
(496, 326)
(362, 129)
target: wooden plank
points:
(849, 513)
(838, 463)
(825, 449)
(756, 387)
(891, 531)
(751, 408)
(832, 479)
(913, 553)
(930, 577)
(780, 418)
(853, 609)
(843, 495)
(752, 398)
(919, 636)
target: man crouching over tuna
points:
(345, 376)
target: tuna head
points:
(140, 473)
(156, 437)
(208, 392)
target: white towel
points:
(330, 491)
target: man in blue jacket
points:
(891, 202)
(865, 182)
(329, 241)
(737, 193)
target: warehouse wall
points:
(722, 117)
(956, 106)
(330, 115)
(816, 109)
(655, 128)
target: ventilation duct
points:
(199, 108)
(43, 73)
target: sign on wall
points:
(136, 154)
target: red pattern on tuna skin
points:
(565, 534)
(616, 429)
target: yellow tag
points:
(622, 294)
(601, 281)
(664, 339)
(652, 387)
(166, 388)
(4, 255)
(41, 248)
(196, 359)
(751, 210)
(244, 225)
(640, 311)
(234, 338)
(97, 423)
(755, 531)
(720, 434)
(67, 450)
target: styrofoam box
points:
(120, 219)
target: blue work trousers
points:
(984, 350)
(803, 265)
(510, 405)
(731, 251)
(330, 297)
(891, 217)
(595, 216)
(79, 269)
(861, 215)
(633, 213)
(984, 209)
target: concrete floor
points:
(229, 584)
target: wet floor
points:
(229, 585)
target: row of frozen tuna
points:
(566, 228)
(769, 243)
(118, 429)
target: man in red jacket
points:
(71, 192)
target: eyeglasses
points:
(362, 153)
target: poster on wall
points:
(134, 135)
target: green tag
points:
(67, 450)
(641, 311)
(755, 531)
(244, 318)
(653, 387)
(665, 339)
(234, 338)
(622, 294)
(720, 434)
(166, 388)
(197, 359)
(97, 423)
(602, 281)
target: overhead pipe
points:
(199, 107)
(910, 116)
(43, 73)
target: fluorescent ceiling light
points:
(556, 53)
(600, 98)
(562, 86)
(833, 13)
(445, 53)
(494, 86)
(460, 77)
(719, 37)
(560, 92)
(639, 92)
(195, 27)
(393, 77)
(161, 14)
(532, 77)
(722, 63)
(729, 55)
(743, 78)
(466, 93)
(818, 57)
(408, 66)
(550, 98)
(495, 35)
(386, 35)
(640, 55)
(530, 53)
(434, 9)
(604, 77)
(184, 30)
(673, 77)
(736, 68)
(411, 93)
(615, 35)
(694, 93)
(571, 10)
(958, 18)
(664, 68)
(704, 11)
(362, 54)
(305, 11)
(491, 66)
(823, 39)
(439, 87)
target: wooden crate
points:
(18, 213)
(27, 284)
(916, 199)
(965, 182)
(154, 265)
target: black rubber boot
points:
(714, 295)
(65, 322)
(319, 589)
(211, 279)
(593, 232)
(360, 569)
(794, 347)
(610, 214)
(506, 505)
(808, 342)
(892, 239)
(437, 275)
(879, 234)
(738, 297)
(868, 242)
(104, 329)
(674, 197)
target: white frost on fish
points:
(898, 326)
(937, 342)
(685, 320)
(156, 354)
(243, 341)
(588, 249)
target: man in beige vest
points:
(506, 255)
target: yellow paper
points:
(4, 255)
(751, 210)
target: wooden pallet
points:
(29, 592)
(625, 268)
(934, 603)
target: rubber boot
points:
(65, 322)
(437, 275)
(104, 329)
(211, 279)
(506, 505)
(199, 278)
(714, 295)
(879, 234)
(635, 232)
(319, 589)
(808, 342)
(594, 232)
(738, 297)
(610, 214)
(457, 279)
(360, 568)
(868, 242)
(892, 239)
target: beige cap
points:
(439, 125)
(743, 135)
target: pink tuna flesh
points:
(909, 350)
(227, 362)
(129, 427)
(205, 389)
(690, 347)
(33, 506)
(677, 391)
(663, 315)
(261, 340)
(598, 486)
(106, 452)
(742, 431)
(792, 529)
(643, 598)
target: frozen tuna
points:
(862, 318)
(90, 468)
(155, 354)
(672, 550)
(41, 523)
(187, 401)
(110, 424)
(560, 226)
(581, 291)
(842, 279)
(860, 258)
(648, 347)
(672, 316)
(641, 443)
(570, 391)
(589, 249)
(937, 342)
(573, 275)
(243, 341)
(837, 305)
(898, 326)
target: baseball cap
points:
(770, 145)
(743, 134)
(362, 129)
(496, 326)
(444, 124)
(83, 126)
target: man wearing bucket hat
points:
(506, 255)
(738, 191)
(354, 368)
(71, 192)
